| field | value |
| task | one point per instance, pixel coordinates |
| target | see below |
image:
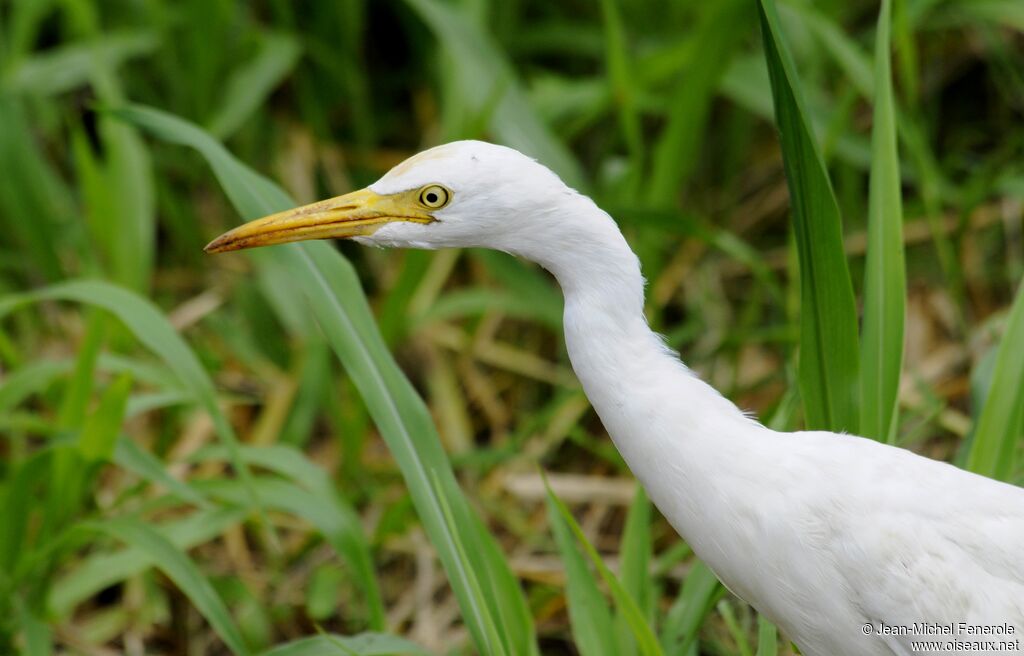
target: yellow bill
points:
(355, 214)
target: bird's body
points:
(824, 534)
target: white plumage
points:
(822, 533)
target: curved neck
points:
(692, 449)
(655, 409)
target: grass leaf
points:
(180, 569)
(130, 456)
(589, 615)
(315, 501)
(647, 643)
(337, 301)
(885, 286)
(624, 85)
(828, 318)
(1001, 421)
(488, 79)
(677, 152)
(700, 591)
(364, 644)
(767, 638)
(636, 552)
(99, 433)
(104, 569)
(247, 88)
(151, 328)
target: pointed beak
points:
(356, 214)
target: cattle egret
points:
(848, 545)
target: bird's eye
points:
(435, 196)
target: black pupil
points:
(431, 197)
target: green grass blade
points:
(318, 504)
(998, 429)
(1007, 13)
(677, 151)
(488, 79)
(647, 643)
(119, 197)
(37, 635)
(70, 66)
(637, 551)
(31, 378)
(151, 328)
(33, 198)
(828, 319)
(334, 291)
(834, 40)
(364, 644)
(247, 88)
(885, 285)
(130, 456)
(732, 625)
(624, 86)
(102, 570)
(700, 591)
(635, 564)
(20, 484)
(767, 638)
(179, 568)
(77, 392)
(589, 615)
(493, 643)
(340, 307)
(99, 433)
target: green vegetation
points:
(250, 454)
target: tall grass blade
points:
(494, 642)
(885, 285)
(336, 299)
(647, 643)
(180, 569)
(76, 394)
(31, 378)
(102, 570)
(37, 635)
(153, 330)
(118, 192)
(364, 644)
(834, 40)
(488, 79)
(701, 590)
(591, 620)
(314, 499)
(247, 88)
(767, 638)
(677, 151)
(21, 484)
(130, 456)
(70, 66)
(99, 433)
(637, 551)
(33, 198)
(1001, 422)
(624, 86)
(828, 320)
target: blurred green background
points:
(120, 421)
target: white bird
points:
(841, 541)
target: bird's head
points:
(466, 193)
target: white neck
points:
(679, 436)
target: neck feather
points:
(626, 369)
(693, 450)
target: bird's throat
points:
(672, 429)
